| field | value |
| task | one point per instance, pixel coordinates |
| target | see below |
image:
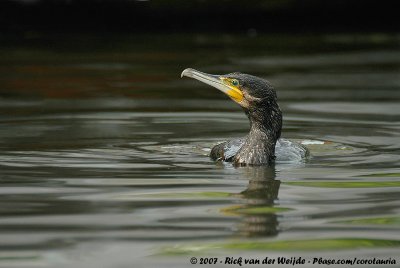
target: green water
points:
(104, 150)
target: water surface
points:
(104, 151)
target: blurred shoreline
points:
(206, 16)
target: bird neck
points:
(266, 119)
(265, 130)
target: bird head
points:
(258, 99)
(250, 92)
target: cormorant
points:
(258, 99)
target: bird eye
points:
(235, 82)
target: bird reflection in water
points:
(259, 218)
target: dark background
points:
(82, 48)
(121, 16)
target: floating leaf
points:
(253, 210)
(192, 195)
(345, 184)
(289, 245)
(374, 221)
(395, 175)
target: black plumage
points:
(258, 99)
(261, 107)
